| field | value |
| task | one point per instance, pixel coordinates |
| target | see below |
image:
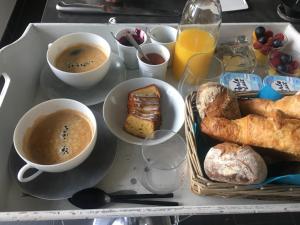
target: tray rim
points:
(147, 211)
(142, 211)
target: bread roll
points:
(216, 100)
(232, 163)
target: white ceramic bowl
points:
(85, 79)
(115, 107)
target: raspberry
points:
(257, 45)
(275, 54)
(290, 69)
(275, 62)
(265, 49)
(269, 33)
(294, 64)
(270, 41)
(279, 36)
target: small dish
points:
(126, 51)
(159, 57)
(288, 66)
(237, 55)
(267, 41)
(55, 88)
(115, 107)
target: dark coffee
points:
(155, 59)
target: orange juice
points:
(189, 42)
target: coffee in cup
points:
(54, 136)
(80, 58)
(57, 137)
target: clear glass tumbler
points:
(197, 72)
(164, 159)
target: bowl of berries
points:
(264, 41)
(284, 63)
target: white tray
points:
(23, 62)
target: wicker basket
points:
(202, 185)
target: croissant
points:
(277, 133)
(289, 105)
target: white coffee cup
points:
(156, 71)
(128, 53)
(28, 120)
(166, 36)
(80, 80)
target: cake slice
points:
(139, 127)
(143, 111)
(148, 91)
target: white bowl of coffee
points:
(79, 59)
(54, 136)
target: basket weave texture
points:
(202, 185)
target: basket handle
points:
(4, 83)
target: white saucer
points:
(55, 88)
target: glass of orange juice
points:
(189, 42)
(196, 73)
(198, 32)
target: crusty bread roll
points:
(216, 100)
(232, 163)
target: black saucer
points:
(282, 14)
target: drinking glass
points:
(195, 74)
(164, 162)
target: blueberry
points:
(277, 43)
(286, 59)
(259, 32)
(263, 40)
(282, 68)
